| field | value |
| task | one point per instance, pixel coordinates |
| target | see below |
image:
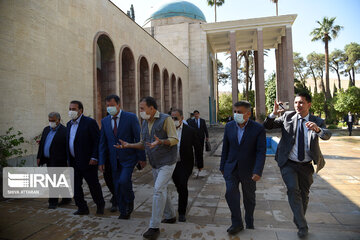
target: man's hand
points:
(312, 126)
(155, 143)
(101, 168)
(93, 162)
(277, 109)
(200, 169)
(122, 144)
(142, 164)
(38, 161)
(222, 172)
(255, 177)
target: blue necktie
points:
(301, 142)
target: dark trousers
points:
(109, 181)
(53, 191)
(180, 177)
(91, 177)
(298, 179)
(232, 196)
(350, 126)
(123, 187)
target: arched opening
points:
(180, 96)
(173, 92)
(156, 84)
(166, 91)
(105, 74)
(128, 80)
(144, 78)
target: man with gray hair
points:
(52, 150)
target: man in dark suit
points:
(188, 143)
(298, 147)
(349, 119)
(125, 126)
(52, 150)
(83, 152)
(200, 125)
(242, 161)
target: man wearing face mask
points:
(188, 144)
(159, 139)
(52, 150)
(242, 161)
(83, 153)
(120, 125)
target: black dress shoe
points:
(82, 212)
(182, 218)
(303, 232)
(171, 220)
(51, 206)
(250, 227)
(235, 229)
(130, 208)
(100, 210)
(113, 208)
(124, 216)
(65, 201)
(152, 233)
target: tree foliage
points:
(270, 92)
(225, 106)
(348, 100)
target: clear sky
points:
(308, 11)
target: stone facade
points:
(48, 58)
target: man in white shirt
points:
(298, 147)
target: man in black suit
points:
(200, 125)
(349, 119)
(188, 143)
(83, 151)
(297, 149)
(52, 150)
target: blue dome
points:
(179, 8)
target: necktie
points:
(301, 142)
(197, 123)
(115, 125)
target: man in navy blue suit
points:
(242, 161)
(120, 125)
(83, 153)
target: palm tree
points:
(215, 3)
(276, 2)
(326, 32)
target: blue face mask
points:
(239, 118)
(112, 110)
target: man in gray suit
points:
(298, 147)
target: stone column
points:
(290, 66)
(234, 79)
(260, 83)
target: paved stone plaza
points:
(333, 213)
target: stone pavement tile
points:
(264, 215)
(319, 217)
(202, 211)
(11, 214)
(52, 232)
(323, 235)
(349, 219)
(205, 202)
(222, 212)
(343, 207)
(22, 229)
(317, 207)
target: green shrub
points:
(332, 126)
(10, 147)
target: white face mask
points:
(177, 123)
(239, 118)
(145, 116)
(52, 124)
(73, 114)
(111, 110)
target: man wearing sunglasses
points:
(188, 143)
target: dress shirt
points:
(179, 133)
(48, 141)
(73, 130)
(117, 120)
(240, 131)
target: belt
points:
(299, 163)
